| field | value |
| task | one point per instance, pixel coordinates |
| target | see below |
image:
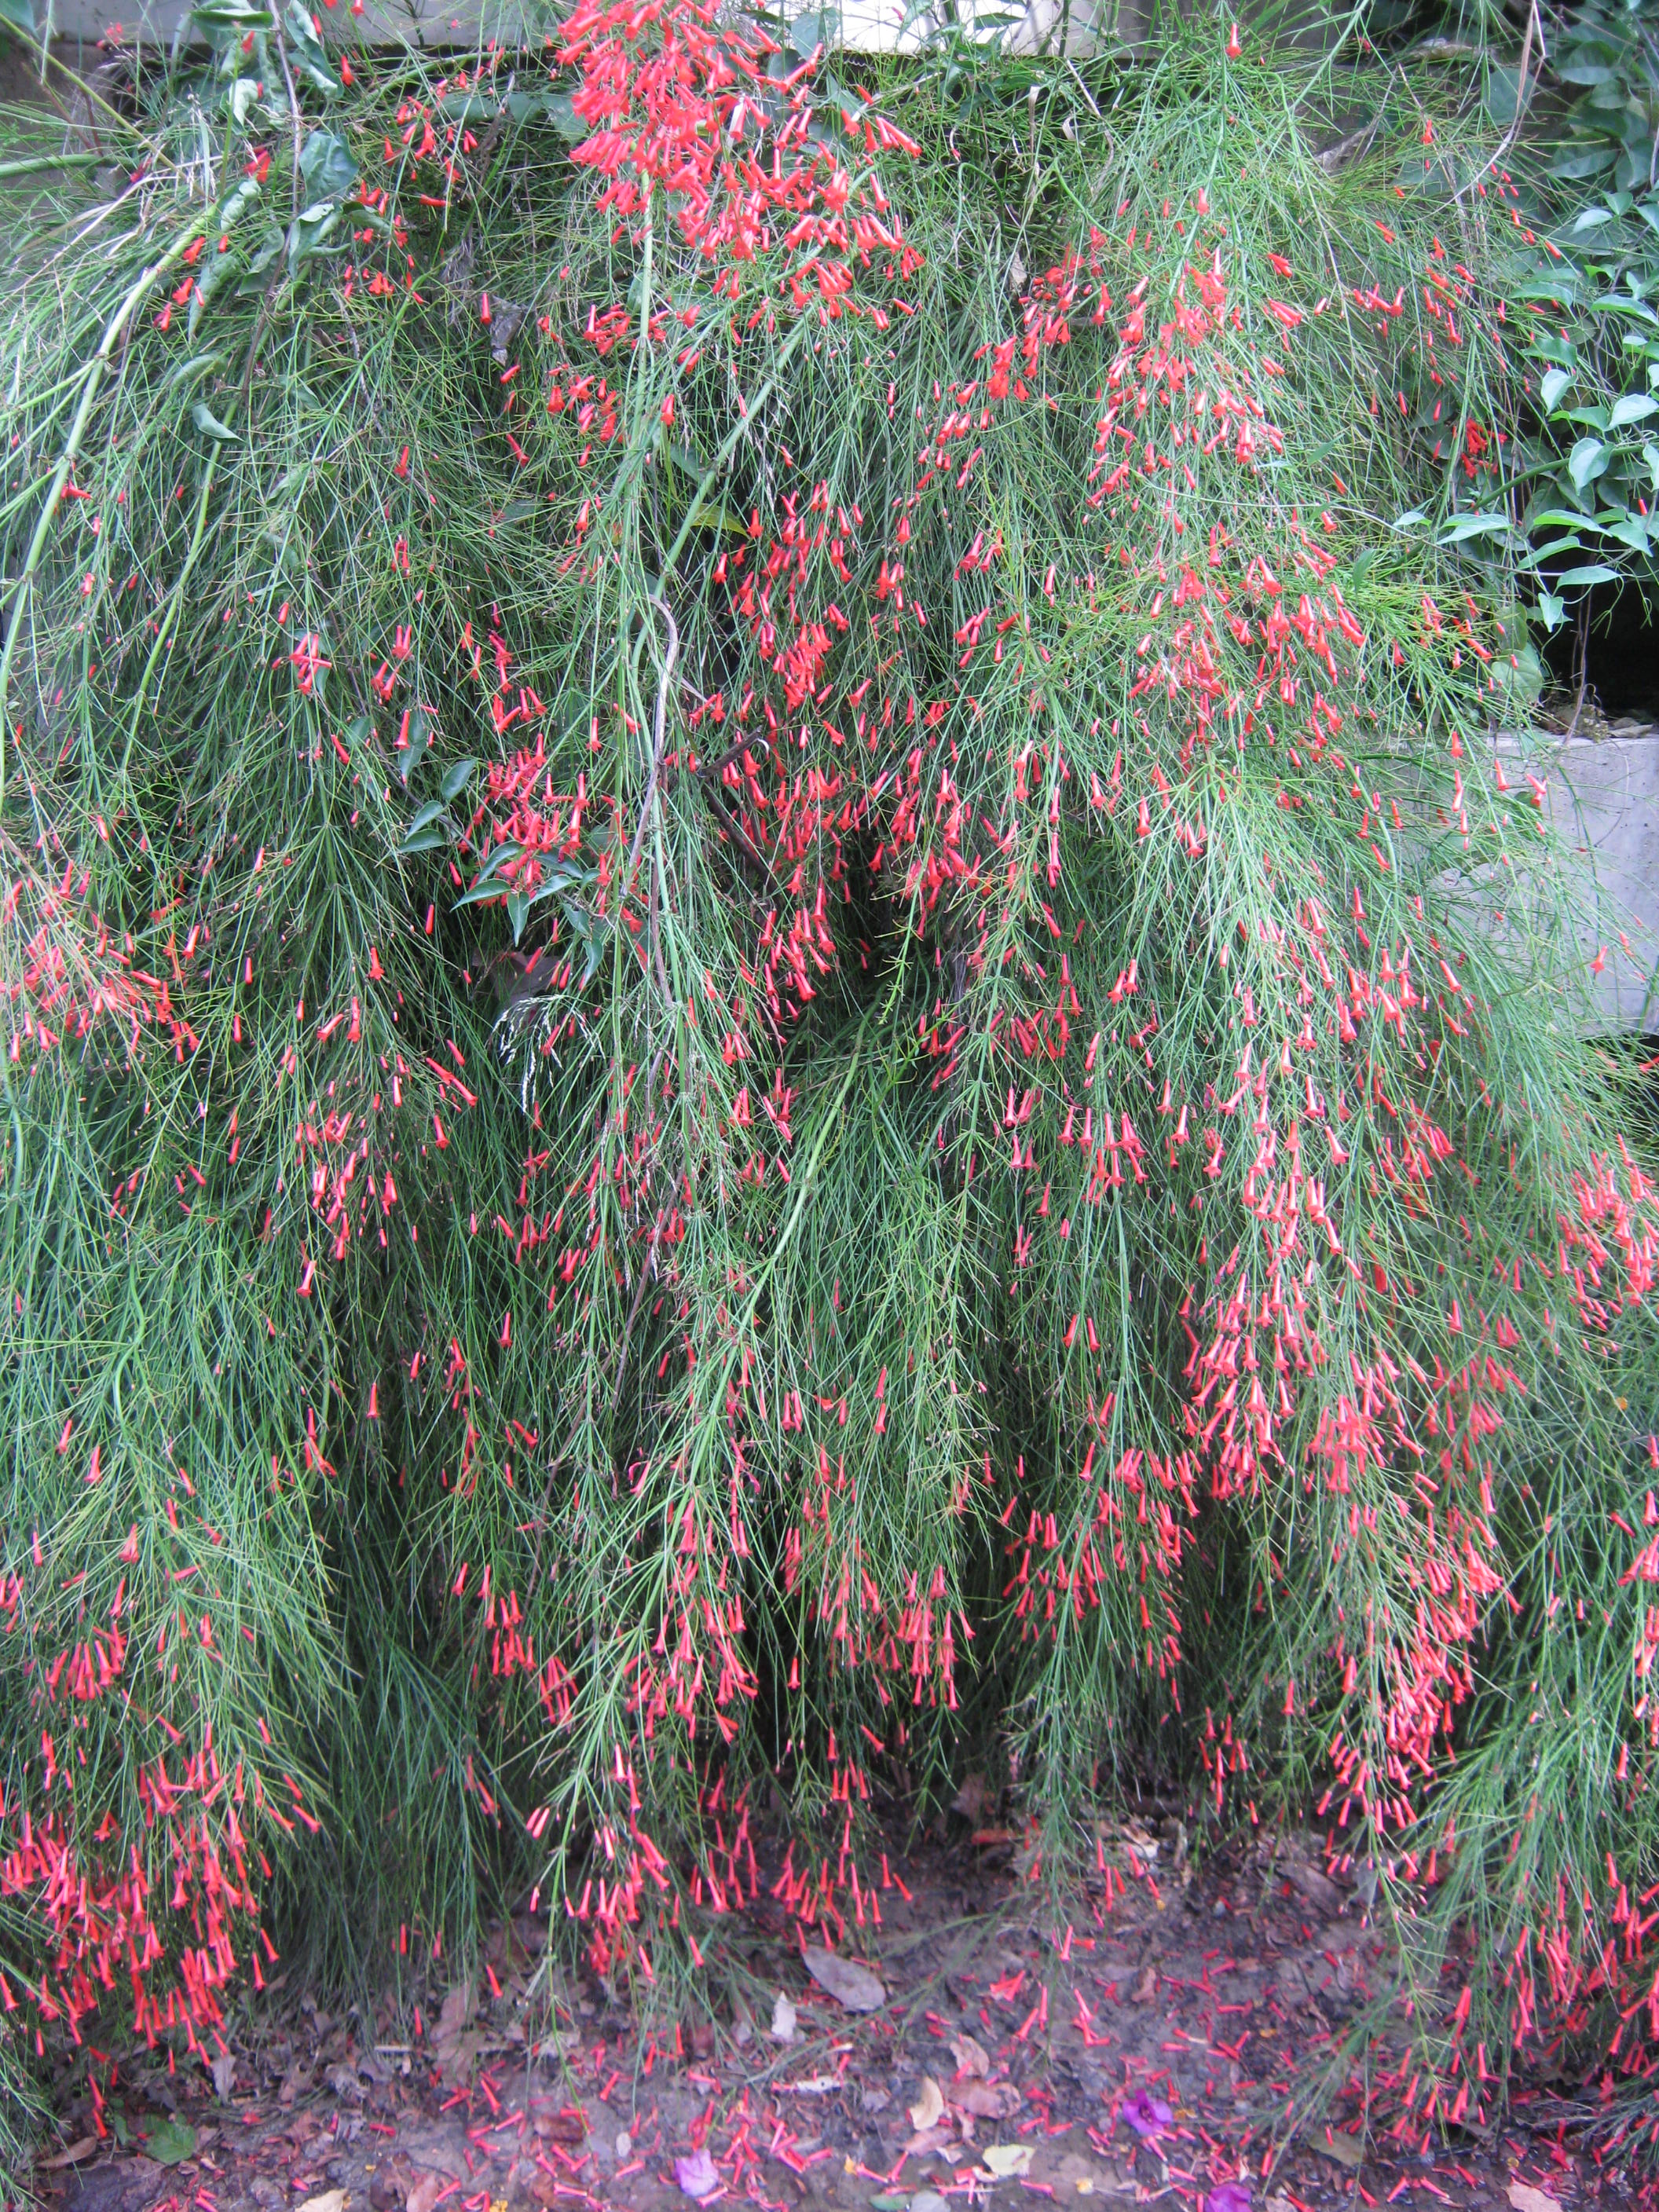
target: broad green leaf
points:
(420, 737)
(1594, 574)
(1475, 526)
(815, 28)
(1504, 87)
(169, 2140)
(19, 15)
(489, 883)
(456, 779)
(231, 15)
(426, 815)
(209, 424)
(1521, 675)
(308, 50)
(561, 112)
(308, 231)
(1630, 530)
(1586, 461)
(1634, 407)
(1574, 167)
(327, 166)
(1555, 382)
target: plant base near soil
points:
(779, 1028)
(1220, 1990)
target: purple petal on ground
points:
(697, 2175)
(1229, 2197)
(1149, 2116)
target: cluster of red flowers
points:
(882, 755)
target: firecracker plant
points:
(780, 1014)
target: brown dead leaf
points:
(988, 2100)
(330, 2200)
(1347, 2151)
(389, 2183)
(561, 2127)
(453, 2045)
(425, 2192)
(929, 2108)
(848, 1983)
(1318, 1888)
(1146, 1988)
(942, 2141)
(1525, 2198)
(975, 1797)
(84, 2148)
(973, 2062)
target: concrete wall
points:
(1602, 799)
(865, 26)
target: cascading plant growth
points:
(756, 1032)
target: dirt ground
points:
(1003, 2059)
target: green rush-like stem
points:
(37, 162)
(175, 601)
(93, 376)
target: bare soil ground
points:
(1003, 2061)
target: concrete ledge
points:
(1602, 799)
(861, 25)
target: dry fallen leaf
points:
(1318, 1888)
(987, 2102)
(1347, 2150)
(1146, 1988)
(972, 1798)
(849, 1984)
(929, 2108)
(424, 2192)
(390, 2184)
(1005, 2159)
(972, 2060)
(1525, 2198)
(782, 2029)
(566, 2126)
(223, 2070)
(84, 2148)
(331, 2200)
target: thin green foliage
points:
(762, 1034)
